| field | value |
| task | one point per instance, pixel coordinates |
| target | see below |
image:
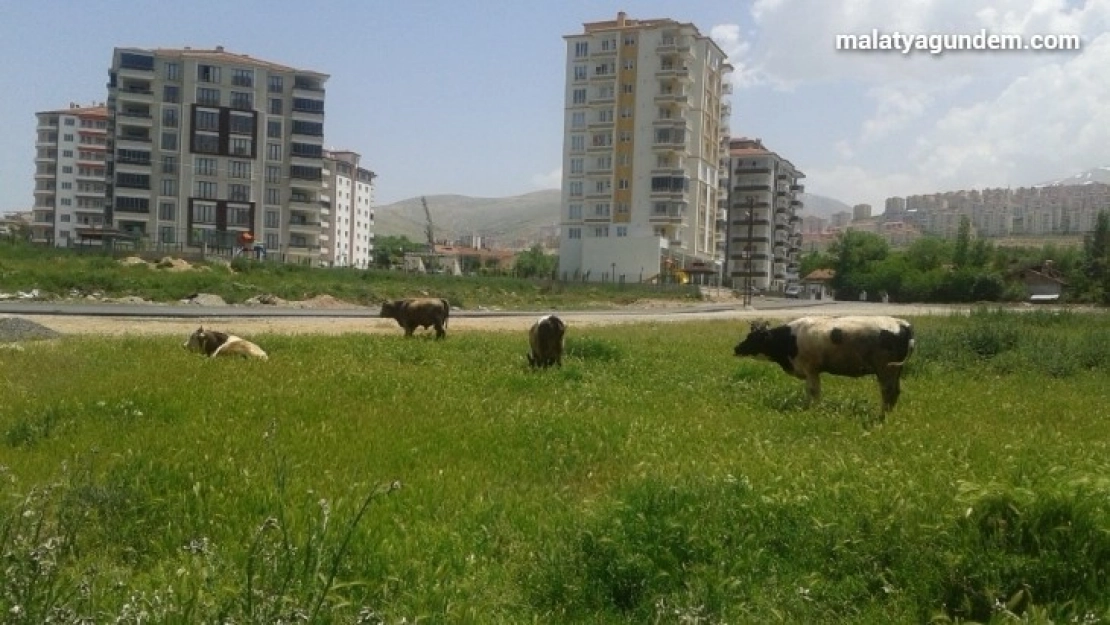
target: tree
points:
(963, 242)
(927, 253)
(815, 260)
(1095, 247)
(389, 250)
(855, 251)
(534, 263)
(980, 254)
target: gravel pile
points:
(15, 329)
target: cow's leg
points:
(409, 329)
(890, 385)
(440, 332)
(813, 386)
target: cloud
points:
(728, 37)
(551, 180)
(961, 119)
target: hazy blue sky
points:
(466, 96)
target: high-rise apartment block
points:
(645, 135)
(69, 172)
(351, 220)
(206, 144)
(764, 224)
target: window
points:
(206, 189)
(240, 146)
(273, 196)
(169, 164)
(169, 117)
(241, 124)
(242, 77)
(604, 162)
(166, 234)
(64, 217)
(67, 137)
(275, 106)
(576, 188)
(578, 119)
(67, 153)
(574, 211)
(70, 121)
(622, 183)
(626, 112)
(204, 213)
(601, 232)
(239, 192)
(66, 201)
(601, 209)
(630, 40)
(167, 211)
(622, 231)
(629, 63)
(204, 166)
(581, 48)
(308, 105)
(272, 219)
(272, 240)
(602, 186)
(239, 169)
(273, 151)
(577, 143)
(67, 169)
(206, 120)
(580, 72)
(578, 96)
(242, 100)
(605, 116)
(67, 185)
(312, 129)
(239, 216)
(173, 71)
(208, 97)
(207, 144)
(574, 233)
(307, 150)
(132, 205)
(273, 173)
(169, 186)
(171, 94)
(132, 157)
(276, 84)
(130, 60)
(208, 73)
(622, 208)
(605, 92)
(576, 166)
(273, 129)
(132, 181)
(628, 88)
(608, 45)
(302, 172)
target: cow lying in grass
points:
(851, 346)
(423, 312)
(545, 337)
(213, 344)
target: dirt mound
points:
(170, 263)
(13, 329)
(322, 301)
(131, 260)
(204, 299)
(265, 300)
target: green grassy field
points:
(62, 272)
(654, 478)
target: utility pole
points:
(429, 232)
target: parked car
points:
(793, 292)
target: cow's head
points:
(757, 342)
(195, 342)
(390, 308)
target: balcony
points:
(674, 73)
(672, 96)
(752, 187)
(306, 199)
(135, 94)
(303, 224)
(135, 118)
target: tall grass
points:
(653, 478)
(62, 273)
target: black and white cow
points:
(850, 346)
(213, 344)
(545, 337)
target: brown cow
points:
(545, 337)
(419, 311)
(850, 346)
(213, 344)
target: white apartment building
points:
(645, 132)
(205, 144)
(764, 220)
(349, 219)
(70, 149)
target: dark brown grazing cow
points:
(213, 344)
(419, 311)
(545, 337)
(850, 346)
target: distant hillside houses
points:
(1025, 211)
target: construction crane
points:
(429, 233)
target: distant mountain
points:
(1098, 174)
(822, 206)
(505, 219)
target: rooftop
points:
(222, 56)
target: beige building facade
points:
(70, 155)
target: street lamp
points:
(748, 252)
